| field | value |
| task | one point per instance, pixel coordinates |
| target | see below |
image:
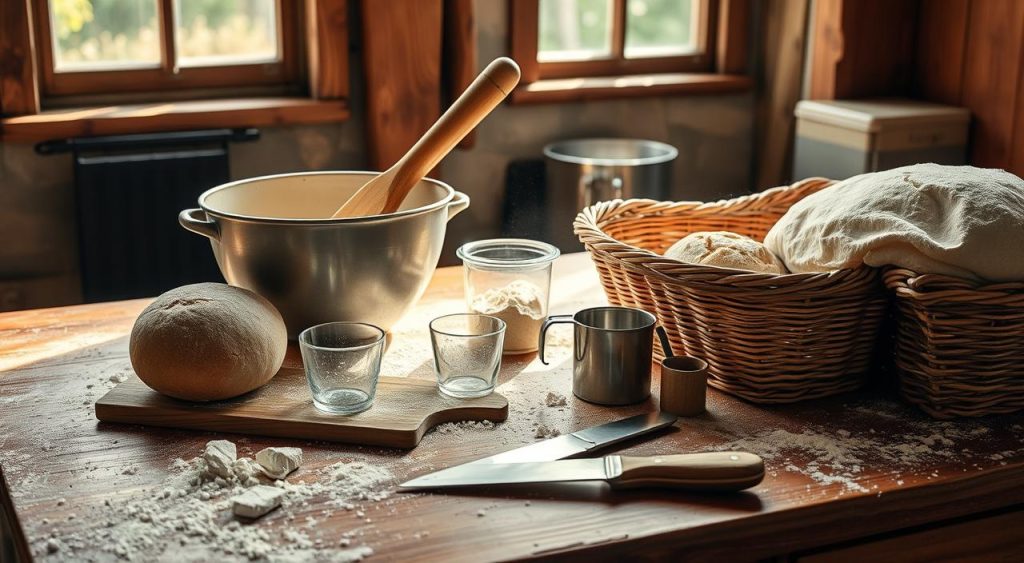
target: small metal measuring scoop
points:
(684, 381)
(612, 350)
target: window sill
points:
(171, 116)
(612, 87)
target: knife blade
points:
(712, 471)
(585, 440)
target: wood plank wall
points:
(862, 48)
(970, 53)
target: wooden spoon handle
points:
(480, 98)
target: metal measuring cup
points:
(612, 350)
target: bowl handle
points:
(203, 226)
(459, 203)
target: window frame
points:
(164, 78)
(721, 68)
(524, 31)
(320, 93)
(528, 14)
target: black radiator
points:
(129, 190)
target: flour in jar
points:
(520, 305)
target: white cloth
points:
(955, 220)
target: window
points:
(577, 38)
(571, 50)
(116, 46)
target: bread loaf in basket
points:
(767, 338)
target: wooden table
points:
(848, 476)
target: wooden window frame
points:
(314, 89)
(720, 65)
(617, 63)
(166, 77)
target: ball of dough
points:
(208, 341)
(726, 250)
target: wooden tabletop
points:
(838, 469)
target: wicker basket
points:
(767, 338)
(959, 343)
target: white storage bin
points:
(842, 138)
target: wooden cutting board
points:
(403, 410)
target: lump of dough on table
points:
(726, 250)
(955, 220)
(207, 342)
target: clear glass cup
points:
(467, 353)
(510, 279)
(342, 363)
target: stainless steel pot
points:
(270, 235)
(581, 172)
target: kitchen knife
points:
(582, 441)
(713, 471)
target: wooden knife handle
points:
(712, 471)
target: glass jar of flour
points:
(510, 279)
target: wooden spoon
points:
(385, 193)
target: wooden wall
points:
(862, 48)
(970, 53)
(967, 53)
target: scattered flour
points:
(544, 432)
(555, 400)
(831, 455)
(521, 305)
(193, 507)
(459, 427)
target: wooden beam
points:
(402, 64)
(460, 57)
(19, 86)
(784, 39)
(733, 38)
(327, 48)
(523, 20)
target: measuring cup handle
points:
(553, 319)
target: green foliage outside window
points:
(112, 32)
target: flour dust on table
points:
(830, 454)
(193, 509)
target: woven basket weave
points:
(959, 343)
(767, 338)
